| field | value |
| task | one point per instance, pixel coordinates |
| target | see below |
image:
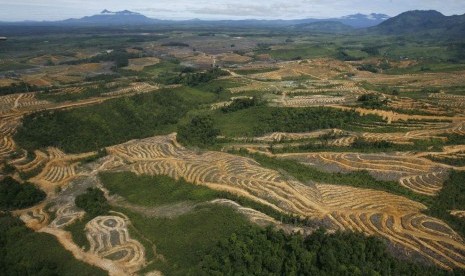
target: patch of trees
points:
(453, 161)
(455, 139)
(21, 87)
(190, 78)
(103, 77)
(175, 44)
(368, 67)
(93, 201)
(241, 103)
(361, 143)
(381, 88)
(451, 197)
(306, 119)
(25, 252)
(200, 131)
(266, 252)
(345, 56)
(119, 57)
(371, 100)
(115, 121)
(371, 50)
(14, 195)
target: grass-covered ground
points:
(155, 190)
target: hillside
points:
(430, 22)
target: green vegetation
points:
(17, 88)
(78, 233)
(255, 71)
(25, 252)
(198, 132)
(87, 93)
(183, 240)
(267, 252)
(453, 161)
(241, 103)
(154, 190)
(259, 120)
(191, 78)
(360, 145)
(93, 202)
(119, 57)
(368, 67)
(371, 101)
(14, 195)
(115, 121)
(451, 197)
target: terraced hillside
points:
(292, 134)
(417, 174)
(396, 218)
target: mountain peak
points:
(125, 12)
(425, 13)
(423, 22)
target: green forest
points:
(115, 121)
(267, 252)
(14, 195)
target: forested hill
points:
(431, 23)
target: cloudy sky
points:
(219, 9)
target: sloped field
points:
(417, 174)
(372, 212)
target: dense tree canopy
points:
(14, 195)
(199, 132)
(93, 202)
(267, 252)
(93, 127)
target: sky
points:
(19, 10)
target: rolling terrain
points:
(156, 149)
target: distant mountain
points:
(431, 23)
(107, 17)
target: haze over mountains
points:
(127, 17)
(426, 23)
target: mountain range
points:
(109, 18)
(419, 23)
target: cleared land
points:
(81, 117)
